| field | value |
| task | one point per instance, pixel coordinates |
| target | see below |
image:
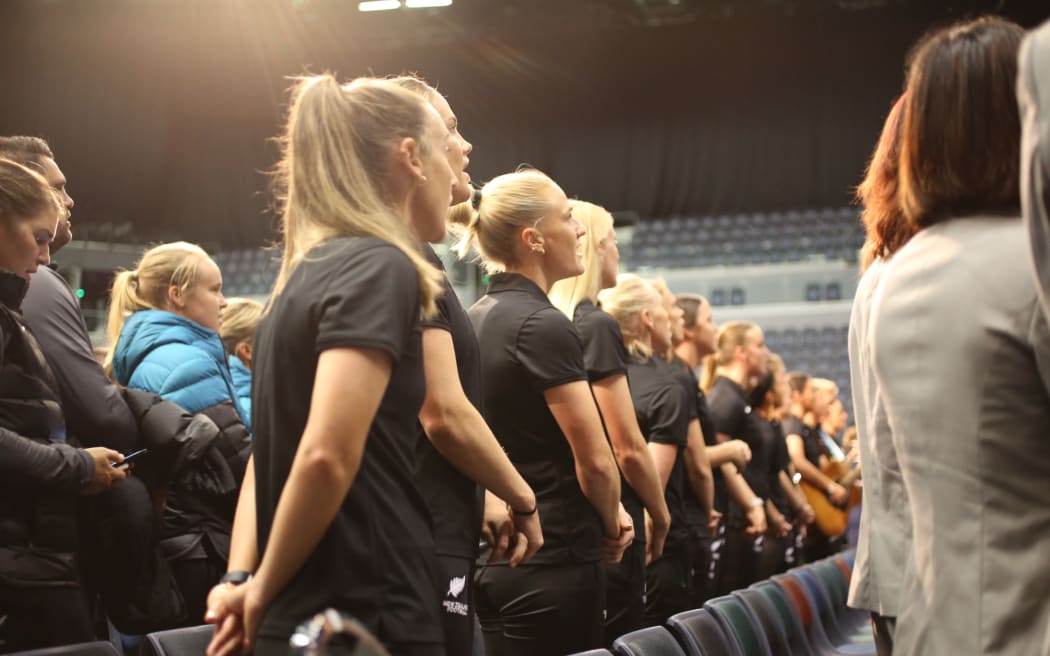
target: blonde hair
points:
(825, 385)
(459, 215)
(568, 293)
(24, 193)
(625, 302)
(332, 179)
(239, 321)
(731, 334)
(146, 286)
(509, 203)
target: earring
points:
(422, 179)
(538, 249)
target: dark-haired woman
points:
(961, 354)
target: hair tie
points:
(475, 199)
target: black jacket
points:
(40, 475)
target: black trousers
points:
(699, 566)
(36, 617)
(457, 604)
(883, 626)
(668, 586)
(740, 559)
(541, 609)
(625, 593)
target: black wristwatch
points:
(236, 577)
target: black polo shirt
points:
(455, 501)
(810, 441)
(528, 346)
(662, 406)
(697, 519)
(376, 560)
(733, 413)
(605, 355)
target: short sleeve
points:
(669, 420)
(604, 353)
(728, 414)
(443, 317)
(370, 300)
(549, 349)
(707, 420)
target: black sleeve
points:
(669, 420)
(371, 300)
(692, 388)
(604, 353)
(728, 414)
(30, 465)
(707, 420)
(92, 403)
(442, 318)
(549, 348)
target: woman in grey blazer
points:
(885, 521)
(961, 355)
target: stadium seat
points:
(178, 642)
(766, 616)
(790, 621)
(735, 617)
(98, 648)
(650, 641)
(703, 635)
(593, 652)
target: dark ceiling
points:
(160, 111)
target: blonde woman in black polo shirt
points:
(664, 410)
(540, 407)
(605, 357)
(456, 450)
(331, 503)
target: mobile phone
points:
(128, 458)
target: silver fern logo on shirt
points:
(456, 585)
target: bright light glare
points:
(419, 4)
(378, 5)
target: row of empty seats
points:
(760, 238)
(802, 612)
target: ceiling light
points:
(419, 4)
(378, 5)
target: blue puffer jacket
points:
(175, 357)
(242, 383)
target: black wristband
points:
(525, 513)
(236, 577)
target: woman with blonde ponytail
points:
(163, 331)
(664, 410)
(739, 359)
(330, 514)
(540, 407)
(456, 451)
(606, 359)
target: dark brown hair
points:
(885, 227)
(690, 304)
(960, 146)
(24, 150)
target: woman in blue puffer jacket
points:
(163, 331)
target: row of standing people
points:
(340, 315)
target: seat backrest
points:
(702, 634)
(98, 648)
(780, 601)
(735, 617)
(794, 590)
(650, 641)
(761, 610)
(593, 652)
(188, 641)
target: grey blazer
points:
(1033, 96)
(885, 520)
(961, 353)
